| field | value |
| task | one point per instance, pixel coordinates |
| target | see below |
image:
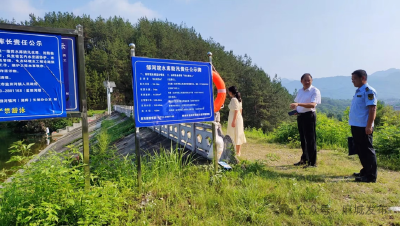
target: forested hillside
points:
(265, 101)
(333, 108)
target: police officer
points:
(361, 120)
(306, 101)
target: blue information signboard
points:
(70, 73)
(31, 76)
(170, 91)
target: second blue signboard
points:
(70, 73)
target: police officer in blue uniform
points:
(361, 120)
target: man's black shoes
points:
(300, 163)
(309, 166)
(365, 180)
(357, 175)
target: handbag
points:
(351, 146)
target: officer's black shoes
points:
(365, 180)
(357, 175)
(300, 163)
(309, 166)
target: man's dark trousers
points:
(366, 152)
(306, 124)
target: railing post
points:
(193, 137)
(179, 133)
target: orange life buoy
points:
(220, 84)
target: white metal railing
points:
(127, 110)
(196, 137)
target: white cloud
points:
(18, 9)
(111, 8)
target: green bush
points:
(257, 133)
(387, 146)
(331, 133)
(90, 113)
(387, 140)
(287, 132)
(55, 124)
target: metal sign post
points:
(137, 140)
(214, 132)
(83, 104)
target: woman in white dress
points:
(235, 120)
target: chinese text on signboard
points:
(170, 91)
(31, 77)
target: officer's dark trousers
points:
(306, 124)
(366, 152)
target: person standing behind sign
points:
(235, 120)
(361, 119)
(306, 101)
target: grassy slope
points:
(328, 184)
(264, 189)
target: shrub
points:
(387, 140)
(331, 133)
(51, 191)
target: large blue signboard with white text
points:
(70, 73)
(31, 76)
(170, 91)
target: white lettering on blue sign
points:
(175, 89)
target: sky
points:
(288, 38)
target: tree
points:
(265, 100)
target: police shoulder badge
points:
(367, 89)
(370, 96)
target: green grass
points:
(332, 135)
(265, 189)
(117, 132)
(90, 113)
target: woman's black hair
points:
(235, 92)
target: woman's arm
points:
(234, 118)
